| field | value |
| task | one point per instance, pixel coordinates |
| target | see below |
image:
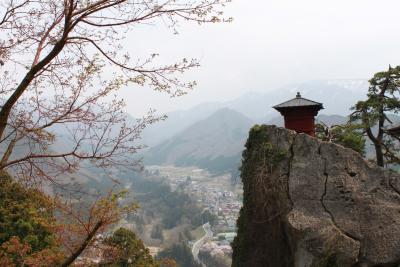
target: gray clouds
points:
(271, 44)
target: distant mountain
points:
(215, 143)
(331, 119)
(336, 95)
(176, 122)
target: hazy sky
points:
(272, 43)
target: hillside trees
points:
(156, 232)
(26, 213)
(61, 66)
(173, 207)
(214, 260)
(382, 100)
(181, 253)
(39, 230)
(84, 220)
(123, 248)
(349, 135)
(27, 226)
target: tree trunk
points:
(379, 155)
(83, 246)
(10, 102)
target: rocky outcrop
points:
(313, 203)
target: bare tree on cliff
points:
(61, 65)
(383, 99)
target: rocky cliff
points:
(313, 203)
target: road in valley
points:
(200, 242)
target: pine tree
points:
(382, 100)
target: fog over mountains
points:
(212, 135)
(336, 95)
(214, 143)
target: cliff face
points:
(312, 203)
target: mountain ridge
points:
(258, 105)
(218, 139)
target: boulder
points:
(313, 203)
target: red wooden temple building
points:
(299, 114)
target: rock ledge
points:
(313, 203)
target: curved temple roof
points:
(298, 101)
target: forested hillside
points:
(214, 143)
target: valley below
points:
(217, 199)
